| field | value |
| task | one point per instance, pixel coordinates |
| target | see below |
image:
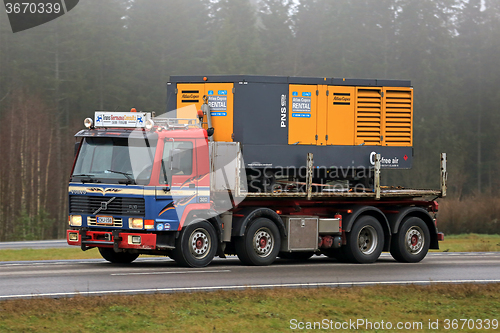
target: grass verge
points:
(470, 243)
(254, 310)
(48, 254)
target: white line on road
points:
(256, 286)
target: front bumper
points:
(113, 239)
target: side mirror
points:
(210, 131)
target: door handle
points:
(192, 186)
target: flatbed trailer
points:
(207, 210)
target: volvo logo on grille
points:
(104, 205)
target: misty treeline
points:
(118, 54)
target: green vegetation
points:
(48, 254)
(453, 243)
(470, 243)
(252, 310)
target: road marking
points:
(245, 287)
(166, 259)
(181, 272)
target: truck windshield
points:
(115, 160)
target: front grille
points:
(81, 204)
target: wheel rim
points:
(263, 242)
(367, 240)
(414, 240)
(199, 243)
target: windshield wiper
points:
(126, 174)
(90, 179)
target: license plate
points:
(104, 220)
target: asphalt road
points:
(65, 278)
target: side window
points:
(177, 160)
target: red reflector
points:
(440, 236)
(338, 216)
(200, 114)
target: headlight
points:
(135, 223)
(75, 220)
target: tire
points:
(412, 241)
(365, 241)
(117, 258)
(296, 256)
(260, 244)
(196, 245)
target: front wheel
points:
(365, 241)
(260, 244)
(196, 245)
(117, 257)
(412, 241)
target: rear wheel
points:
(117, 257)
(260, 244)
(365, 241)
(196, 245)
(412, 241)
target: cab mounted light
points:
(88, 122)
(200, 114)
(149, 124)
